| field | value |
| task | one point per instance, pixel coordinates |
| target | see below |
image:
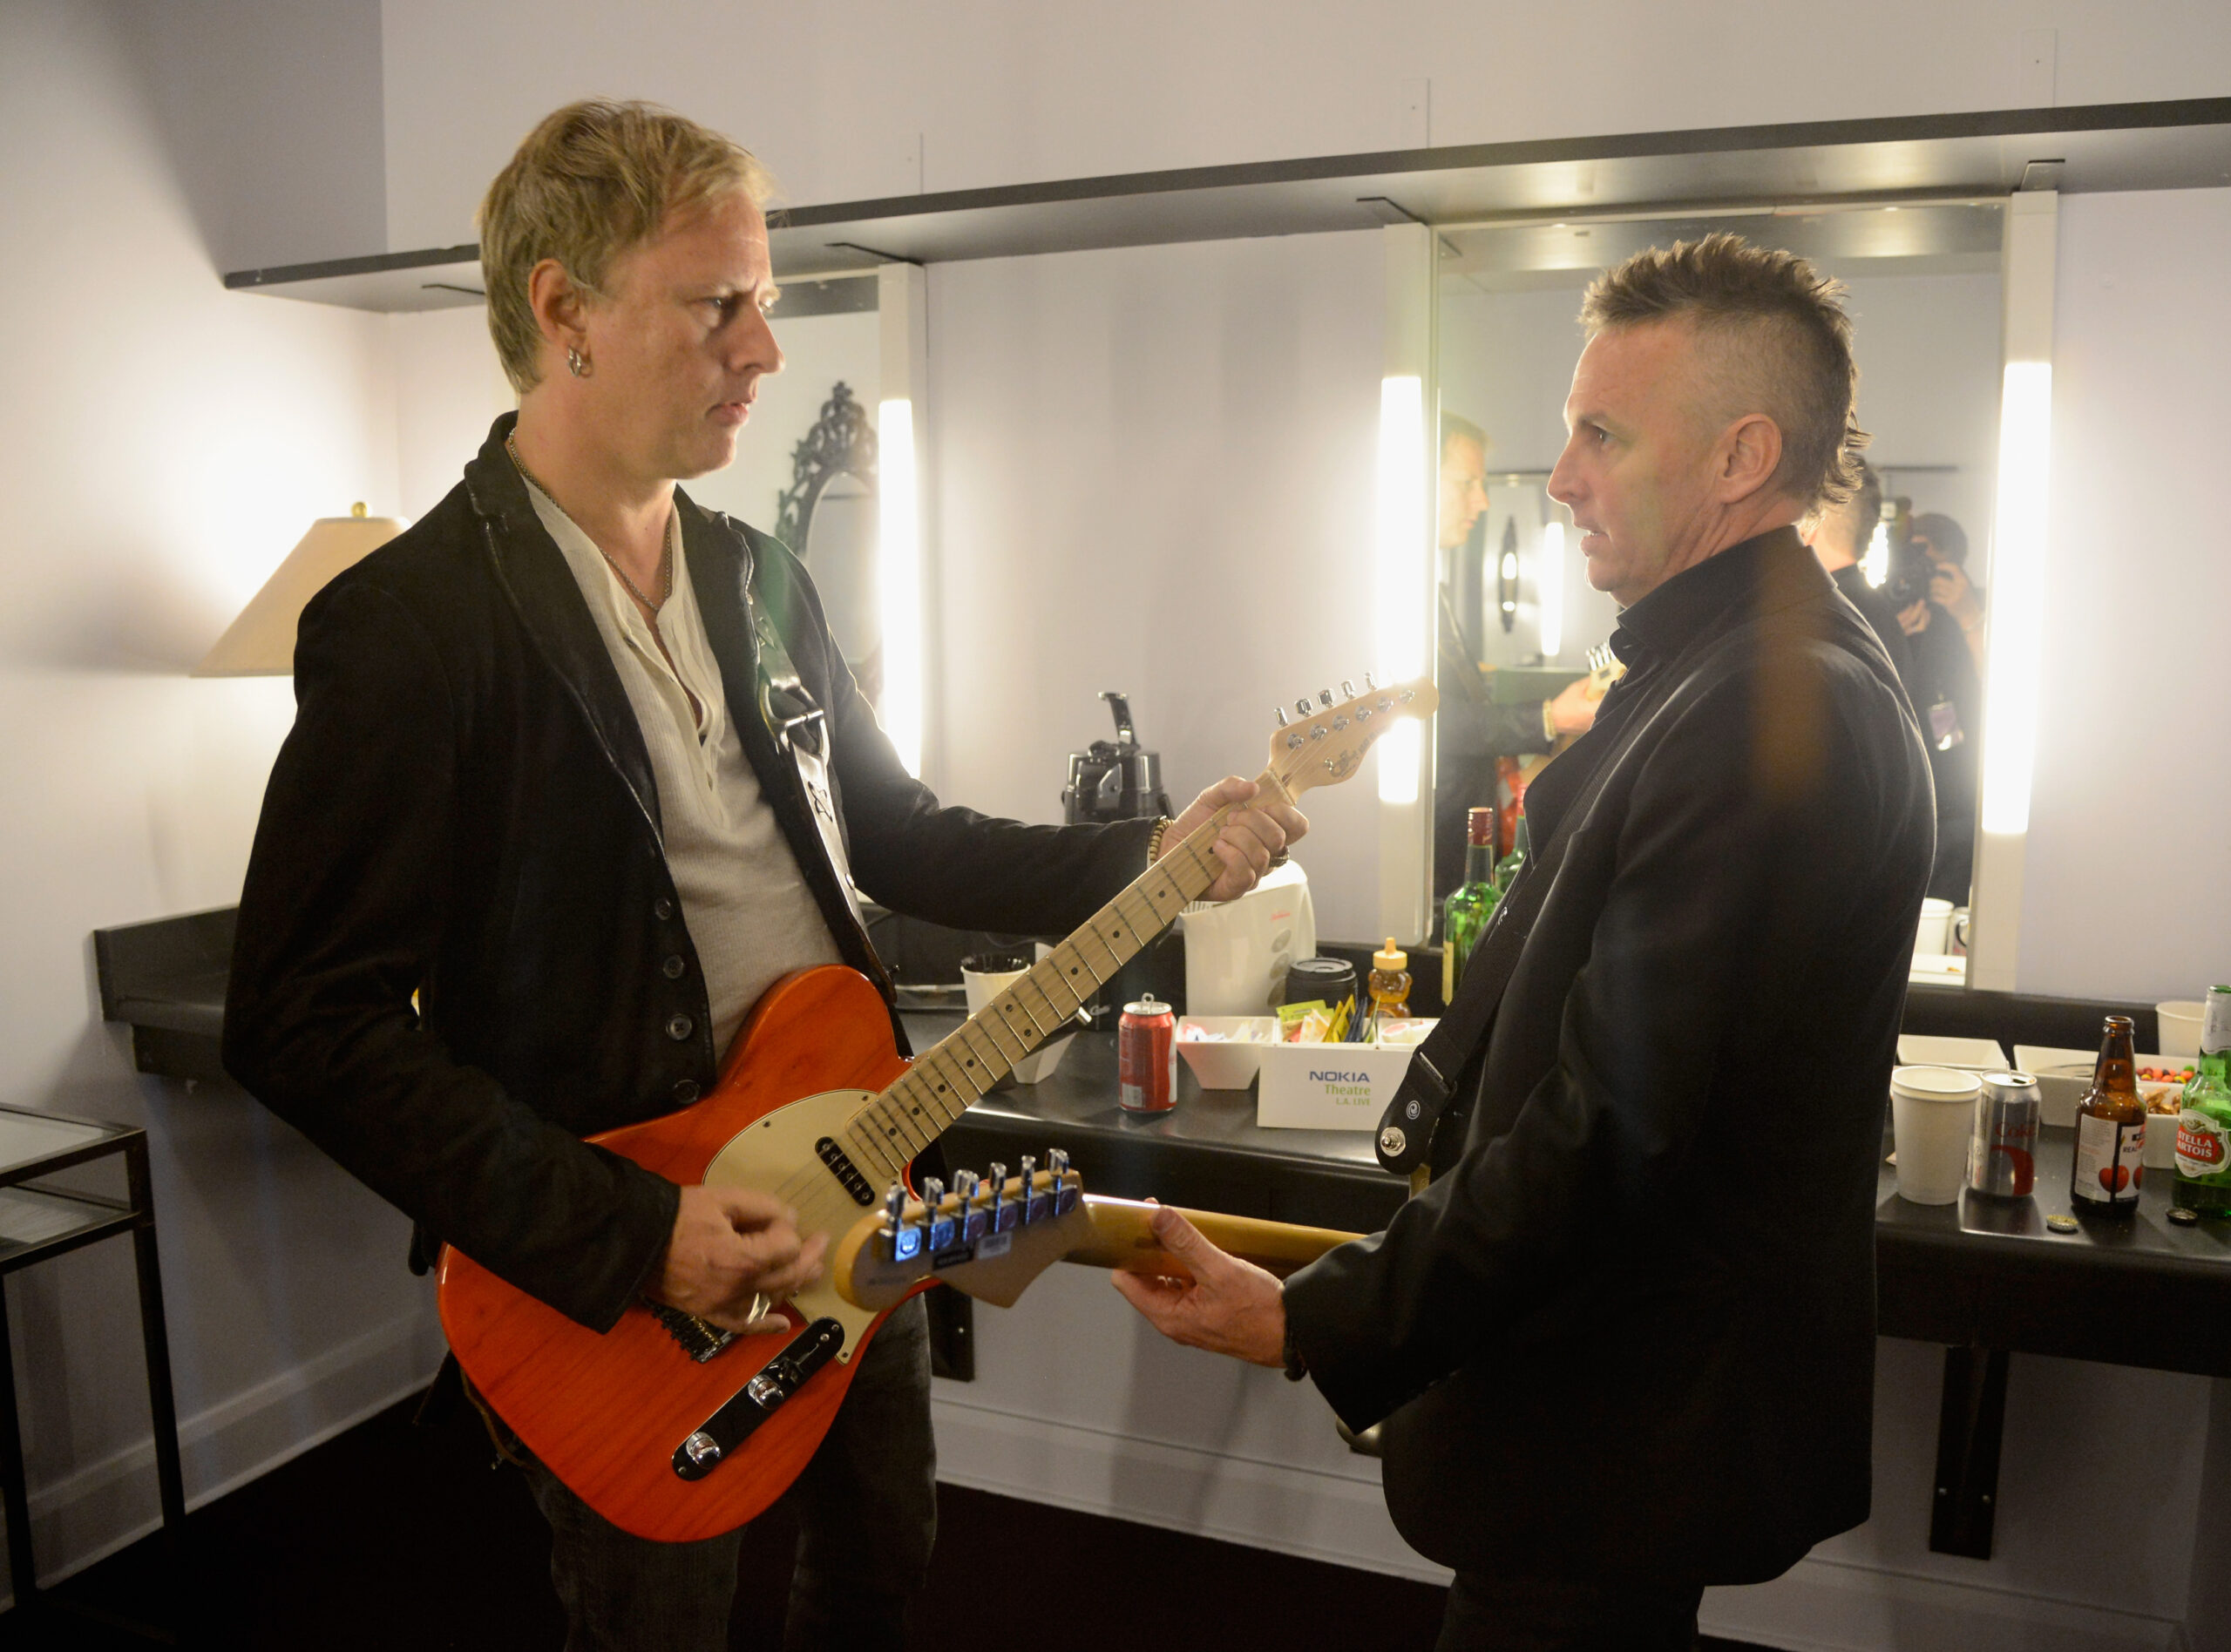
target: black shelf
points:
(2176, 144)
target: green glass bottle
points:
(2204, 1116)
(1512, 863)
(1464, 915)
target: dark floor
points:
(391, 1536)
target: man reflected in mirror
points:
(1473, 728)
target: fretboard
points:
(1041, 1004)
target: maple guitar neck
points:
(947, 1079)
(1122, 1239)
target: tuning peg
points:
(1041, 1200)
(905, 1239)
(1301, 706)
(973, 1218)
(1369, 687)
(1065, 1196)
(940, 1225)
(1028, 1167)
(1347, 689)
(1325, 697)
(1003, 1214)
(1279, 711)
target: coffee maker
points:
(1120, 780)
(1115, 779)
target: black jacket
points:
(1629, 1331)
(464, 810)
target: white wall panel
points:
(164, 445)
(2127, 886)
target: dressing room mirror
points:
(828, 515)
(1518, 617)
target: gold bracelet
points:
(1154, 843)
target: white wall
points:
(2127, 886)
(163, 445)
(1004, 91)
(1154, 472)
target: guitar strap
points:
(800, 728)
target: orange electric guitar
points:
(674, 1429)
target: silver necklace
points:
(665, 557)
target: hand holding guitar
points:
(1227, 1307)
(1252, 840)
(730, 1246)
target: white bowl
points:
(1228, 1063)
(2063, 1076)
(1975, 1055)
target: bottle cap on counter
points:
(1390, 958)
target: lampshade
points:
(260, 643)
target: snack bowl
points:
(1230, 1058)
(2063, 1076)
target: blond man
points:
(1623, 1345)
(560, 767)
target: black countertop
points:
(2138, 1291)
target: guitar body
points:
(606, 1413)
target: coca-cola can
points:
(1146, 1056)
(2003, 1151)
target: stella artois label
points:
(2203, 1146)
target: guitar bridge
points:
(700, 1338)
(760, 1398)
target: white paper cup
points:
(1933, 936)
(1932, 1114)
(2180, 1027)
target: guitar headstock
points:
(988, 1237)
(1324, 743)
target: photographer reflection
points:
(1945, 543)
(1946, 688)
(1472, 730)
(1839, 536)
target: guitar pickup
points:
(758, 1400)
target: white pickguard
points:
(778, 1151)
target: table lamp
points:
(260, 643)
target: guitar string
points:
(897, 1126)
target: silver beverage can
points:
(2003, 1152)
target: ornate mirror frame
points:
(842, 442)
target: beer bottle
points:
(2110, 1130)
(1464, 915)
(2204, 1117)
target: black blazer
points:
(1629, 1332)
(466, 809)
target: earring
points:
(579, 364)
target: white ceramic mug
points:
(1932, 1114)
(1932, 937)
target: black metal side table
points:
(37, 1222)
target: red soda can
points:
(1146, 1056)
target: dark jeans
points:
(1494, 1613)
(867, 1508)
